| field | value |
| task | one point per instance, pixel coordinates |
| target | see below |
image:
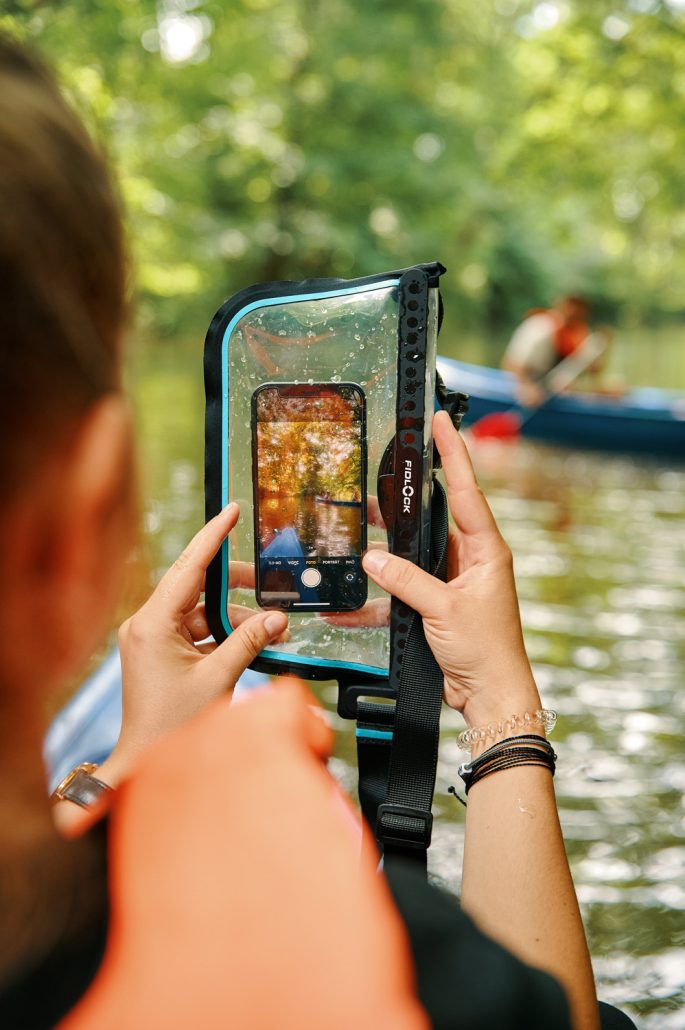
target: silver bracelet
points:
(541, 717)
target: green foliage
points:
(532, 147)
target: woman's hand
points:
(530, 394)
(167, 675)
(472, 622)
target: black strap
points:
(375, 728)
(405, 819)
(402, 814)
(397, 774)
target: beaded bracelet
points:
(542, 717)
(528, 749)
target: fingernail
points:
(275, 623)
(374, 561)
(231, 507)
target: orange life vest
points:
(567, 338)
(239, 897)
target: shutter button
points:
(311, 577)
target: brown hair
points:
(62, 311)
(62, 267)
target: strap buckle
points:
(456, 405)
(404, 827)
(349, 694)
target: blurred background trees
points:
(533, 147)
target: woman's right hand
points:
(472, 622)
(170, 670)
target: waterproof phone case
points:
(320, 398)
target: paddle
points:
(507, 425)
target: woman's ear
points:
(73, 529)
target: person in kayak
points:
(548, 337)
(209, 872)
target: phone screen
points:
(309, 476)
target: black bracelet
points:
(508, 754)
(525, 740)
(504, 745)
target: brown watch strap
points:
(81, 787)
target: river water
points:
(600, 557)
(599, 550)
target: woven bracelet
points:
(502, 746)
(515, 751)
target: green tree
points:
(532, 146)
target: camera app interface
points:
(310, 500)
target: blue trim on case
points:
(295, 659)
(374, 734)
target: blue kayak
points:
(643, 421)
(338, 504)
(285, 544)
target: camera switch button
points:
(311, 577)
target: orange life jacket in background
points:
(567, 338)
(239, 897)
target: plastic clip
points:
(404, 827)
(349, 694)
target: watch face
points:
(80, 786)
(86, 767)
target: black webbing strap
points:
(397, 776)
(375, 724)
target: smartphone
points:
(309, 490)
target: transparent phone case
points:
(330, 332)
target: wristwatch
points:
(80, 786)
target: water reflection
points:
(600, 559)
(605, 616)
(323, 529)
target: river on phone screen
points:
(599, 549)
(324, 529)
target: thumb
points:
(406, 581)
(232, 657)
(306, 714)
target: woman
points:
(225, 885)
